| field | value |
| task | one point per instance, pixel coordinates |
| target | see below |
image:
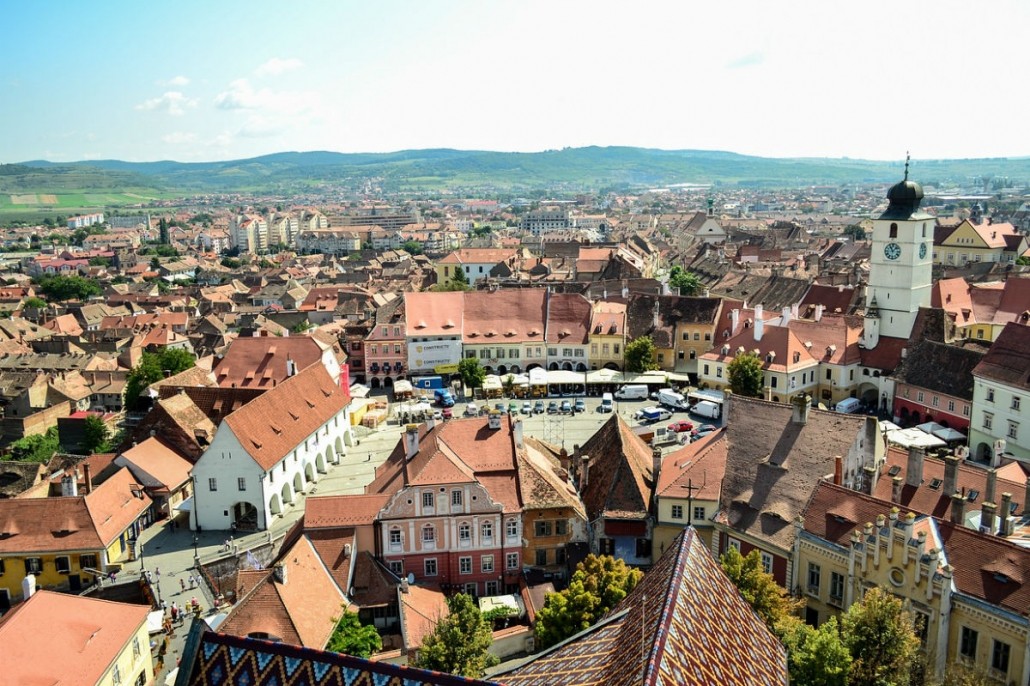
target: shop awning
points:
(185, 505)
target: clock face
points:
(892, 251)
(922, 250)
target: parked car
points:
(500, 407)
(527, 407)
(437, 415)
(607, 403)
(552, 407)
(447, 413)
(702, 431)
(566, 407)
(471, 410)
(581, 405)
(681, 426)
(538, 407)
(513, 407)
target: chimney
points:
(896, 483)
(404, 585)
(785, 316)
(794, 311)
(1006, 507)
(838, 470)
(516, 431)
(818, 312)
(584, 471)
(87, 477)
(999, 450)
(291, 366)
(987, 517)
(958, 509)
(654, 315)
(759, 323)
(871, 475)
(951, 473)
(410, 440)
(914, 470)
(564, 461)
(801, 404)
(69, 485)
(28, 586)
(493, 420)
(734, 321)
(656, 463)
(279, 571)
(992, 485)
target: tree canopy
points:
(412, 247)
(459, 642)
(640, 355)
(685, 283)
(61, 287)
(152, 368)
(770, 600)
(745, 375)
(36, 448)
(96, 435)
(599, 583)
(354, 638)
(881, 637)
(472, 373)
(815, 656)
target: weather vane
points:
(907, 158)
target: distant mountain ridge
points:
(571, 168)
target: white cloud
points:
(172, 102)
(179, 138)
(277, 65)
(242, 96)
(179, 81)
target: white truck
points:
(632, 392)
(706, 408)
(673, 400)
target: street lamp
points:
(142, 566)
(196, 555)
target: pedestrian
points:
(225, 546)
(192, 581)
(182, 585)
(369, 458)
(164, 605)
(175, 612)
(157, 572)
(150, 579)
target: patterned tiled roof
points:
(212, 659)
(684, 624)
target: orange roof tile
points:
(159, 461)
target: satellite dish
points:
(411, 577)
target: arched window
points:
(487, 530)
(428, 533)
(894, 230)
(464, 532)
(396, 538)
(512, 528)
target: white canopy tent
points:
(563, 376)
(537, 376)
(492, 382)
(914, 438)
(605, 376)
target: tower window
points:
(894, 230)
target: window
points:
(241, 483)
(677, 512)
(395, 539)
(829, 374)
(1000, 656)
(643, 547)
(919, 397)
(767, 562)
(542, 528)
(1013, 429)
(427, 500)
(212, 484)
(936, 401)
(733, 543)
(429, 566)
(487, 563)
(988, 420)
(894, 231)
(1015, 403)
(708, 336)
(33, 565)
(428, 534)
(967, 642)
(951, 406)
(560, 527)
(559, 556)
(456, 498)
(512, 528)
(464, 565)
(464, 533)
(397, 567)
(487, 531)
(541, 558)
(965, 410)
(699, 512)
(116, 676)
(813, 577)
(990, 395)
(836, 587)
(491, 588)
(512, 560)
(718, 372)
(63, 564)
(135, 647)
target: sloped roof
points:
(696, 469)
(941, 368)
(160, 462)
(421, 609)
(540, 484)
(274, 423)
(1008, 360)
(685, 623)
(619, 481)
(261, 361)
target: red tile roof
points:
(331, 511)
(260, 361)
(1008, 360)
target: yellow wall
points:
(667, 528)
(14, 572)
(548, 543)
(131, 662)
(965, 241)
(600, 359)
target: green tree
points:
(744, 374)
(471, 372)
(162, 231)
(855, 232)
(599, 584)
(1023, 261)
(60, 288)
(815, 657)
(412, 247)
(459, 642)
(35, 448)
(353, 638)
(460, 277)
(231, 263)
(880, 635)
(151, 368)
(96, 435)
(34, 302)
(685, 283)
(961, 675)
(640, 355)
(769, 600)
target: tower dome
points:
(903, 198)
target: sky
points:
(199, 80)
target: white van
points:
(848, 406)
(607, 403)
(706, 408)
(632, 392)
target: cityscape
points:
(309, 375)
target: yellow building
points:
(967, 590)
(688, 490)
(552, 513)
(66, 542)
(607, 335)
(682, 328)
(55, 638)
(971, 243)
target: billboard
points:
(432, 354)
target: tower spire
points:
(907, 158)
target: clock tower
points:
(901, 265)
